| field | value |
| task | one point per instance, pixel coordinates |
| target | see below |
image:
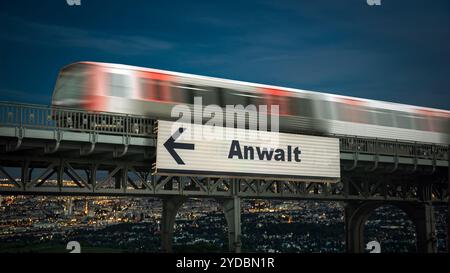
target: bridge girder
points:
(87, 176)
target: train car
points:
(114, 88)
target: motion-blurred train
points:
(148, 92)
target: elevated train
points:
(103, 87)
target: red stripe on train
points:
(94, 90)
(280, 98)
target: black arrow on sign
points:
(171, 145)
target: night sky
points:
(399, 51)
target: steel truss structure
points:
(83, 177)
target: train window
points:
(384, 118)
(160, 91)
(156, 90)
(325, 109)
(404, 121)
(187, 92)
(209, 95)
(353, 113)
(343, 112)
(70, 84)
(301, 107)
(440, 125)
(257, 100)
(145, 85)
(179, 94)
(420, 123)
(282, 101)
(120, 85)
(232, 97)
(220, 94)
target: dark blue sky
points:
(399, 51)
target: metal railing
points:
(51, 118)
(393, 148)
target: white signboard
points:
(192, 149)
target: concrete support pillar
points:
(423, 217)
(25, 173)
(354, 224)
(92, 177)
(171, 206)
(232, 209)
(120, 178)
(60, 173)
(448, 200)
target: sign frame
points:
(179, 149)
